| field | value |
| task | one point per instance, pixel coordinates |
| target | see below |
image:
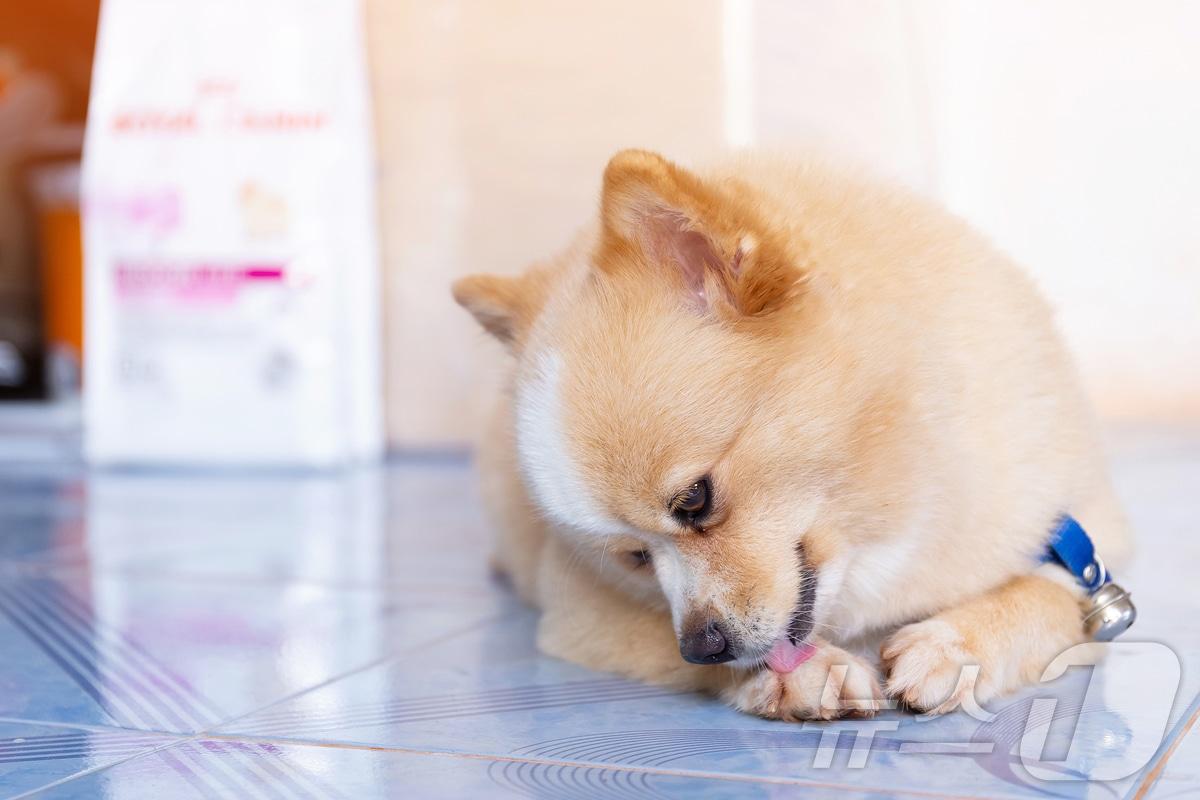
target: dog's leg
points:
(589, 622)
(1010, 634)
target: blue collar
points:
(1070, 546)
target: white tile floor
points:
(172, 635)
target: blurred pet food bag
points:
(230, 236)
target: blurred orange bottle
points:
(56, 195)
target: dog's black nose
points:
(703, 642)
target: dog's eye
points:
(639, 558)
(692, 504)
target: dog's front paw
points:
(931, 668)
(831, 684)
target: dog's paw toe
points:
(929, 667)
(758, 694)
(832, 684)
(860, 695)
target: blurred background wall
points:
(1066, 131)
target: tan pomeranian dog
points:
(762, 415)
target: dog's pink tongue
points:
(785, 655)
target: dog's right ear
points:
(704, 238)
(504, 305)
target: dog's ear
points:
(505, 306)
(654, 213)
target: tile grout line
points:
(1149, 776)
(100, 768)
(92, 728)
(179, 738)
(376, 662)
(680, 773)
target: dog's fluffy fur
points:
(878, 400)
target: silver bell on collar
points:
(1111, 613)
